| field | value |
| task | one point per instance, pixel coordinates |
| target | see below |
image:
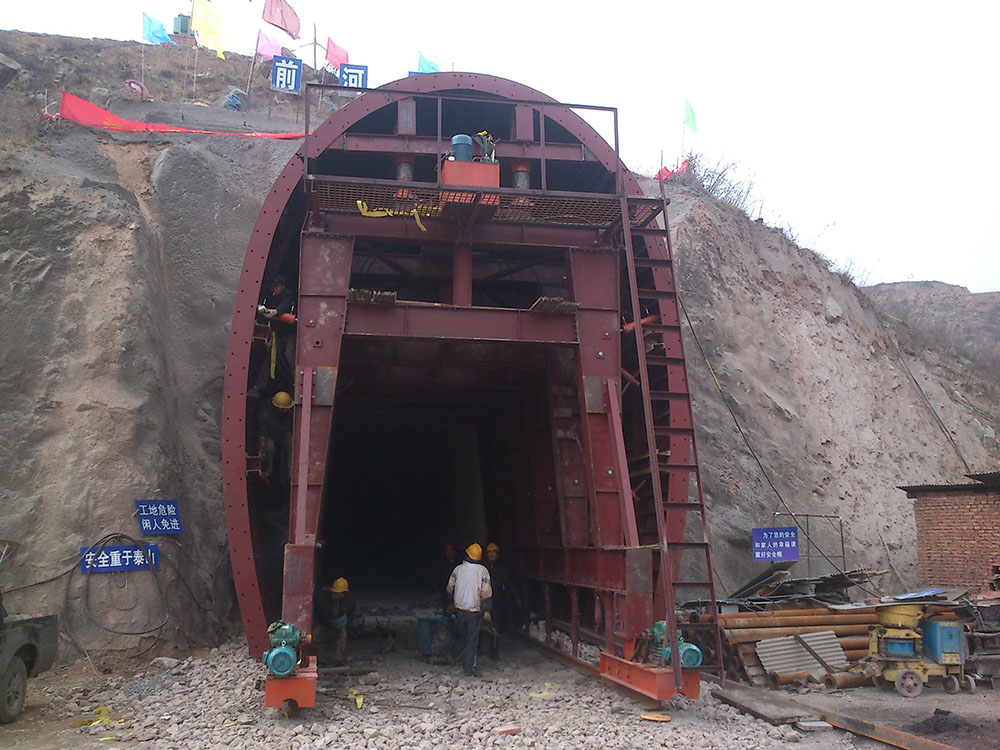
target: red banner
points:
(82, 112)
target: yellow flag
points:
(205, 20)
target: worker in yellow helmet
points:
(332, 613)
(470, 586)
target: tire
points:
(968, 683)
(909, 683)
(13, 687)
(951, 684)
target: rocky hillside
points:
(960, 331)
(820, 390)
(118, 261)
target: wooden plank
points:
(765, 705)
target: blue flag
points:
(426, 66)
(153, 31)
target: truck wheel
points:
(13, 686)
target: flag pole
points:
(142, 65)
(194, 78)
(253, 62)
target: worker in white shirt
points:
(470, 586)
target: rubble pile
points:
(521, 701)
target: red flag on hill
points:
(279, 13)
(335, 55)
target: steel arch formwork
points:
(593, 530)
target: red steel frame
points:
(602, 554)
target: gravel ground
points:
(216, 702)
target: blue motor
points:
(690, 654)
(461, 147)
(283, 656)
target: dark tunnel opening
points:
(399, 488)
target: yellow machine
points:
(907, 649)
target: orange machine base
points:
(654, 682)
(300, 688)
(471, 173)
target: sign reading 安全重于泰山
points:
(286, 75)
(158, 516)
(355, 76)
(111, 558)
(776, 544)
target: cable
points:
(96, 549)
(923, 395)
(760, 465)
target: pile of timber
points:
(742, 630)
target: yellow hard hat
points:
(339, 586)
(474, 551)
(492, 547)
(282, 400)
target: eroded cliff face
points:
(118, 265)
(820, 391)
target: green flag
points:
(689, 117)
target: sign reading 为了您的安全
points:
(158, 516)
(111, 558)
(355, 76)
(286, 75)
(776, 544)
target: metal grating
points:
(787, 656)
(333, 196)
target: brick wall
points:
(958, 537)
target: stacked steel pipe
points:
(742, 630)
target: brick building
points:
(958, 532)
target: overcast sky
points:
(871, 130)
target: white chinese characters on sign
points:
(286, 75)
(355, 76)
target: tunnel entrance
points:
(429, 446)
(399, 488)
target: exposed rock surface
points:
(118, 264)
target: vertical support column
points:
(567, 448)
(547, 596)
(324, 278)
(594, 284)
(461, 280)
(574, 619)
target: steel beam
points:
(324, 279)
(617, 570)
(441, 231)
(430, 321)
(385, 143)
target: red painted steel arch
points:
(234, 407)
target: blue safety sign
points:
(158, 516)
(776, 544)
(286, 75)
(111, 558)
(355, 76)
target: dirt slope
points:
(817, 386)
(118, 261)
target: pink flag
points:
(279, 13)
(335, 55)
(266, 46)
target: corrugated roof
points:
(983, 483)
(787, 656)
(910, 489)
(990, 477)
